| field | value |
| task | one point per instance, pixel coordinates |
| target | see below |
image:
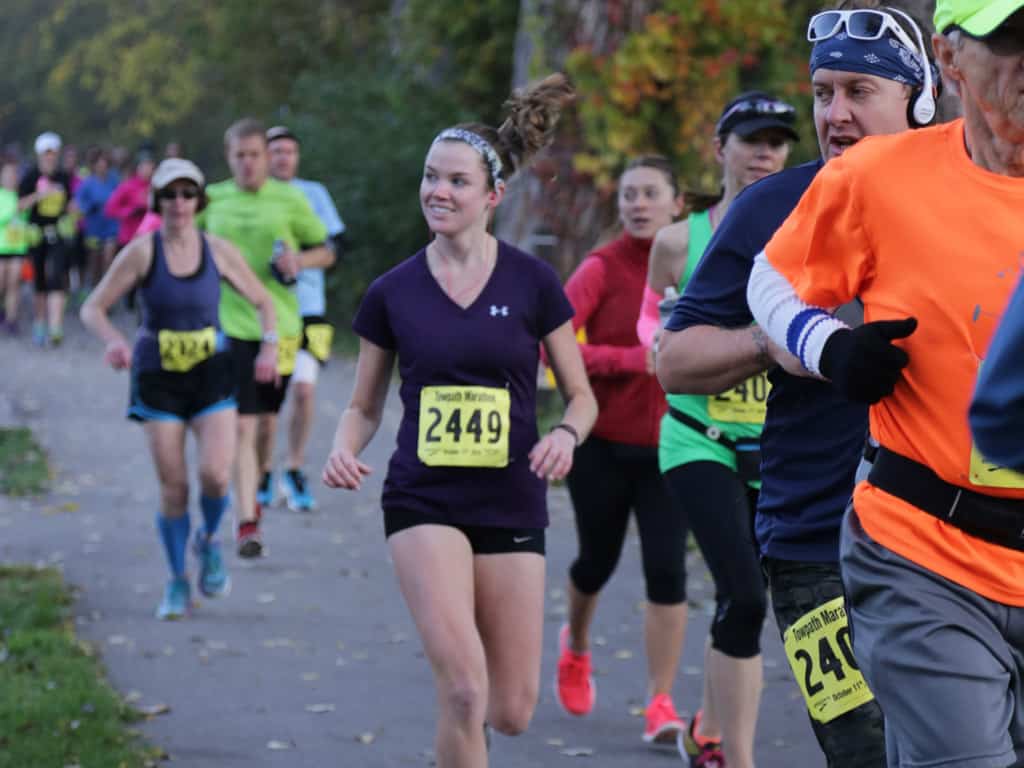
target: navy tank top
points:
(180, 322)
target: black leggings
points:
(721, 512)
(606, 482)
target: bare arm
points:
(318, 257)
(551, 458)
(706, 360)
(667, 261)
(361, 419)
(128, 269)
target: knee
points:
(513, 713)
(736, 630)
(303, 392)
(464, 696)
(215, 479)
(666, 586)
(174, 494)
(591, 571)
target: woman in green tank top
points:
(708, 448)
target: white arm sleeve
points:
(788, 321)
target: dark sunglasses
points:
(188, 193)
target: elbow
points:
(674, 368)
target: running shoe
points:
(250, 542)
(574, 687)
(213, 577)
(56, 337)
(701, 752)
(663, 722)
(177, 595)
(39, 334)
(11, 327)
(295, 491)
(265, 491)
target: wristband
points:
(570, 429)
(269, 337)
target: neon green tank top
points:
(679, 444)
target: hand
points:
(118, 355)
(551, 458)
(289, 263)
(265, 365)
(863, 363)
(344, 470)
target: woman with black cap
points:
(708, 446)
(181, 373)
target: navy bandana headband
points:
(886, 57)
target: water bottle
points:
(280, 246)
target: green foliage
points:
(463, 48)
(662, 89)
(55, 707)
(23, 467)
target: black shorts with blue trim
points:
(164, 396)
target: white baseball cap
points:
(175, 168)
(47, 142)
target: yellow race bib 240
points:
(746, 403)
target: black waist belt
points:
(710, 431)
(996, 520)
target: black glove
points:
(862, 362)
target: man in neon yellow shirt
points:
(268, 221)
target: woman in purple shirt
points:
(465, 495)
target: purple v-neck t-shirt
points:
(491, 343)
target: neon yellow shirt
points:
(252, 221)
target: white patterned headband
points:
(477, 142)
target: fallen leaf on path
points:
(279, 745)
(366, 737)
(319, 709)
(555, 742)
(132, 696)
(578, 752)
(637, 711)
(278, 642)
(117, 639)
(624, 653)
(601, 641)
(309, 677)
(152, 710)
(266, 597)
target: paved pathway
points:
(312, 660)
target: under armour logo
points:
(502, 310)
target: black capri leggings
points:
(606, 482)
(720, 509)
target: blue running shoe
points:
(296, 494)
(177, 595)
(213, 576)
(265, 491)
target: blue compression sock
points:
(174, 533)
(213, 508)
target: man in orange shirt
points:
(926, 228)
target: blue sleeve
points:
(371, 321)
(716, 293)
(554, 308)
(997, 413)
(325, 209)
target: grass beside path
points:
(55, 707)
(23, 467)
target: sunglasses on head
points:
(755, 108)
(187, 193)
